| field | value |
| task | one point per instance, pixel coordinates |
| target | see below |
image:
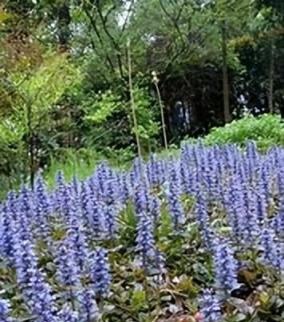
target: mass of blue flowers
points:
(59, 244)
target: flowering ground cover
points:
(198, 237)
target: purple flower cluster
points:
(100, 275)
(269, 248)
(88, 309)
(239, 192)
(210, 307)
(225, 266)
(4, 311)
(174, 195)
(145, 240)
(66, 314)
(32, 282)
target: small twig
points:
(173, 292)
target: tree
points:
(33, 96)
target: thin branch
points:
(109, 11)
(93, 24)
(127, 17)
(99, 55)
(180, 11)
(113, 41)
(173, 19)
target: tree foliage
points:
(64, 71)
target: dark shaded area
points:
(193, 100)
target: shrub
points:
(266, 130)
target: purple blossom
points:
(66, 195)
(88, 310)
(145, 239)
(210, 307)
(7, 230)
(5, 311)
(78, 242)
(100, 178)
(202, 218)
(39, 298)
(95, 217)
(25, 261)
(11, 204)
(66, 314)
(36, 291)
(142, 198)
(280, 257)
(280, 177)
(111, 186)
(252, 225)
(269, 247)
(176, 210)
(42, 209)
(225, 266)
(25, 203)
(138, 169)
(155, 206)
(261, 205)
(174, 193)
(252, 158)
(152, 170)
(85, 203)
(148, 254)
(279, 219)
(125, 192)
(187, 171)
(264, 179)
(235, 208)
(85, 193)
(68, 272)
(110, 213)
(100, 272)
(174, 176)
(156, 171)
(162, 171)
(210, 175)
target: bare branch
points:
(174, 20)
(112, 39)
(127, 16)
(94, 26)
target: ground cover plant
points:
(195, 237)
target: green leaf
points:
(138, 299)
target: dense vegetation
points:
(156, 233)
(266, 131)
(198, 237)
(64, 76)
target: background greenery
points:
(64, 91)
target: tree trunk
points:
(271, 78)
(227, 114)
